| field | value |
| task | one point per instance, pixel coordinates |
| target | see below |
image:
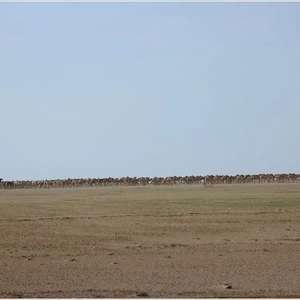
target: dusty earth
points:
(171, 241)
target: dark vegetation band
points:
(208, 180)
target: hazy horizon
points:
(94, 90)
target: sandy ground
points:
(174, 241)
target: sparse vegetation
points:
(163, 234)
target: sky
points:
(94, 90)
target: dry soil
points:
(167, 241)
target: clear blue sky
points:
(148, 89)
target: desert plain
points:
(185, 241)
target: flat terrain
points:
(165, 241)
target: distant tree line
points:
(208, 180)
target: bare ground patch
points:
(177, 241)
